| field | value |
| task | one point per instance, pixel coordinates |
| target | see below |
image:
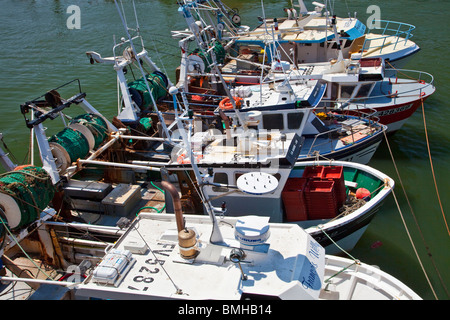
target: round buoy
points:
(363, 193)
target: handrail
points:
(393, 74)
(397, 32)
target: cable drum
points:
(24, 194)
(96, 125)
(68, 146)
(219, 51)
(157, 82)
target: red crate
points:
(336, 174)
(313, 172)
(293, 199)
(320, 198)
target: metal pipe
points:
(148, 138)
(104, 147)
(120, 165)
(176, 204)
(59, 283)
(83, 242)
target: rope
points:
(148, 207)
(355, 261)
(320, 227)
(22, 249)
(432, 168)
(413, 246)
(417, 225)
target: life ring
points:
(182, 159)
(226, 103)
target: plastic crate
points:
(313, 172)
(320, 199)
(293, 199)
(336, 174)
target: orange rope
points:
(432, 169)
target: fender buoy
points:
(226, 103)
(363, 193)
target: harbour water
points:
(41, 51)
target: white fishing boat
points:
(307, 34)
(361, 86)
(282, 106)
(355, 84)
(249, 259)
(322, 197)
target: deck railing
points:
(323, 138)
(389, 29)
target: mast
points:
(134, 52)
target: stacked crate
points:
(318, 194)
(294, 200)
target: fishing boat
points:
(67, 157)
(366, 86)
(323, 197)
(248, 259)
(306, 34)
(357, 84)
(89, 250)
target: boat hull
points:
(394, 116)
(345, 235)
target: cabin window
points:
(273, 121)
(364, 90)
(346, 91)
(222, 178)
(348, 43)
(332, 91)
(294, 120)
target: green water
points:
(39, 52)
